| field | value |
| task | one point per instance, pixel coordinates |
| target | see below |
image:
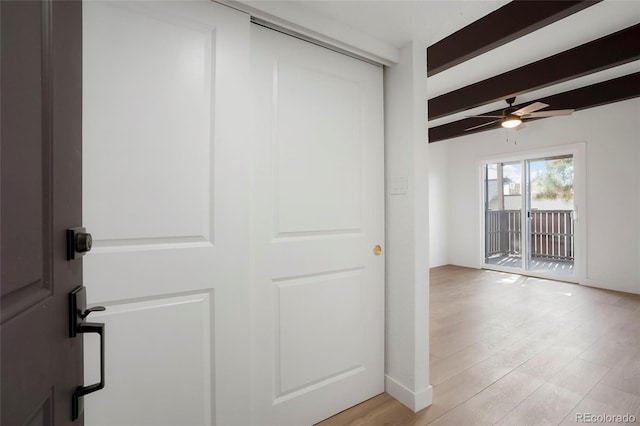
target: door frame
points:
(578, 151)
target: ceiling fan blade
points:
(552, 113)
(520, 126)
(485, 116)
(530, 108)
(482, 125)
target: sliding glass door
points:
(529, 212)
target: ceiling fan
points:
(514, 118)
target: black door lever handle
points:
(86, 313)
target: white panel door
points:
(318, 288)
(166, 189)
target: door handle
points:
(89, 327)
(78, 312)
(86, 312)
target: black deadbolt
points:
(79, 242)
(83, 242)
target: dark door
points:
(41, 160)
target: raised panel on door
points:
(318, 213)
(318, 329)
(26, 266)
(165, 186)
(172, 356)
(318, 151)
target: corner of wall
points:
(415, 400)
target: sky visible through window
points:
(551, 184)
(513, 171)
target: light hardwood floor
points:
(513, 350)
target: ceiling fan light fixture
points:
(511, 121)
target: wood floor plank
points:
(380, 409)
(494, 402)
(579, 376)
(485, 408)
(449, 394)
(548, 405)
(549, 362)
(625, 376)
(604, 399)
(517, 385)
(447, 367)
(609, 349)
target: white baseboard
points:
(623, 286)
(414, 400)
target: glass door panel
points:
(503, 212)
(550, 208)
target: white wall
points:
(407, 230)
(611, 134)
(438, 204)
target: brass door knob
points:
(377, 250)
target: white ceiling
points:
(399, 21)
(377, 28)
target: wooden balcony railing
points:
(551, 233)
(502, 232)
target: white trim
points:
(533, 154)
(533, 274)
(303, 21)
(578, 151)
(416, 401)
(272, 26)
(614, 286)
(480, 213)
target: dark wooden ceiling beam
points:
(513, 20)
(606, 92)
(614, 49)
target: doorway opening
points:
(529, 215)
